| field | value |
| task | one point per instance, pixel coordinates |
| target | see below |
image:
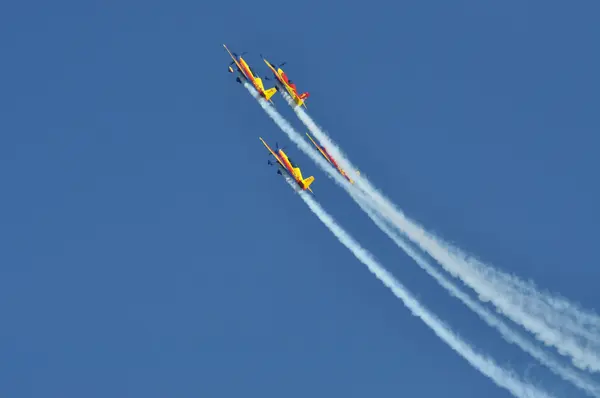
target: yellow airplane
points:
(286, 164)
(287, 83)
(331, 160)
(247, 74)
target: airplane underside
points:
(281, 86)
(240, 78)
(280, 168)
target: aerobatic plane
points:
(248, 74)
(331, 160)
(286, 164)
(286, 83)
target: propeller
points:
(277, 146)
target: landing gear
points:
(238, 80)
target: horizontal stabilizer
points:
(270, 92)
(308, 181)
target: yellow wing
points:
(259, 84)
(298, 174)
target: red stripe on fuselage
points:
(250, 76)
(286, 163)
(246, 71)
(335, 164)
(330, 158)
(284, 79)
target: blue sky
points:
(149, 250)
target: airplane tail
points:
(307, 181)
(270, 92)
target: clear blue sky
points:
(147, 249)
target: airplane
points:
(331, 160)
(287, 83)
(286, 164)
(248, 74)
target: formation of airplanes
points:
(283, 82)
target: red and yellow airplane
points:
(289, 167)
(247, 73)
(284, 81)
(331, 160)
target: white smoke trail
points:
(566, 373)
(552, 320)
(502, 377)
(358, 196)
(526, 309)
(568, 316)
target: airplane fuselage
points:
(250, 76)
(334, 163)
(285, 83)
(287, 164)
(291, 170)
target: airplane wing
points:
(319, 148)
